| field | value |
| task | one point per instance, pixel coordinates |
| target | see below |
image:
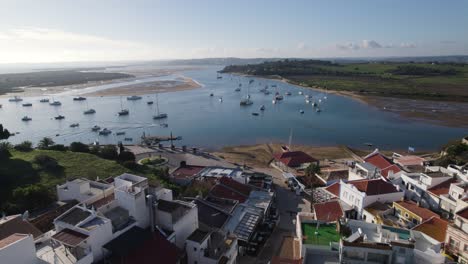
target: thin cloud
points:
(372, 44)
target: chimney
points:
(151, 210)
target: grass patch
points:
(326, 234)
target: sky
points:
(38, 31)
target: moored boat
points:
(27, 104)
(26, 118)
(105, 132)
(133, 98)
(79, 98)
(59, 117)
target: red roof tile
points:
(222, 191)
(235, 185)
(103, 201)
(15, 224)
(463, 213)
(70, 237)
(334, 189)
(378, 160)
(442, 188)
(374, 187)
(11, 239)
(328, 211)
(187, 171)
(293, 158)
(424, 213)
(433, 227)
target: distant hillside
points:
(12, 81)
(434, 81)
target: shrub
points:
(126, 156)
(45, 143)
(46, 162)
(24, 146)
(109, 152)
(5, 150)
(132, 165)
(32, 197)
(79, 147)
(58, 147)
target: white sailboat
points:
(158, 114)
(247, 101)
(89, 111)
(122, 111)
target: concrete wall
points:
(19, 252)
(185, 227)
(98, 237)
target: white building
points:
(363, 170)
(456, 199)
(18, 249)
(83, 190)
(417, 184)
(211, 248)
(176, 219)
(361, 193)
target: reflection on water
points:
(205, 121)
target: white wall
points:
(135, 203)
(98, 237)
(19, 252)
(185, 227)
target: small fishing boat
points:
(300, 93)
(278, 97)
(287, 93)
(27, 104)
(15, 99)
(262, 108)
(318, 110)
(105, 132)
(95, 128)
(56, 103)
(368, 144)
(44, 100)
(164, 125)
(26, 118)
(273, 85)
(301, 111)
(274, 101)
(128, 139)
(133, 98)
(75, 125)
(246, 101)
(221, 99)
(89, 111)
(307, 101)
(307, 96)
(149, 102)
(314, 104)
(79, 98)
(255, 114)
(267, 92)
(123, 112)
(59, 117)
(121, 133)
(211, 94)
(237, 89)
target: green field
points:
(19, 172)
(326, 234)
(430, 81)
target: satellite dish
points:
(25, 215)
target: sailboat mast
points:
(121, 105)
(157, 103)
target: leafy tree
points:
(94, 150)
(58, 147)
(32, 197)
(109, 152)
(79, 147)
(126, 156)
(45, 143)
(4, 133)
(312, 169)
(25, 146)
(5, 150)
(46, 162)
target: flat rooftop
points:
(198, 236)
(187, 171)
(326, 233)
(74, 216)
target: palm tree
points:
(45, 143)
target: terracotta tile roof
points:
(11, 239)
(103, 201)
(70, 237)
(289, 252)
(463, 213)
(374, 187)
(14, 224)
(237, 186)
(328, 211)
(222, 191)
(334, 189)
(424, 213)
(293, 158)
(378, 160)
(187, 171)
(442, 188)
(433, 227)
(410, 160)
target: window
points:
(364, 217)
(194, 249)
(415, 221)
(406, 215)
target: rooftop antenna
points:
(290, 138)
(25, 215)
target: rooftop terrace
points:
(321, 236)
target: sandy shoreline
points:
(148, 88)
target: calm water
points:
(204, 121)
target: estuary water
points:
(207, 122)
